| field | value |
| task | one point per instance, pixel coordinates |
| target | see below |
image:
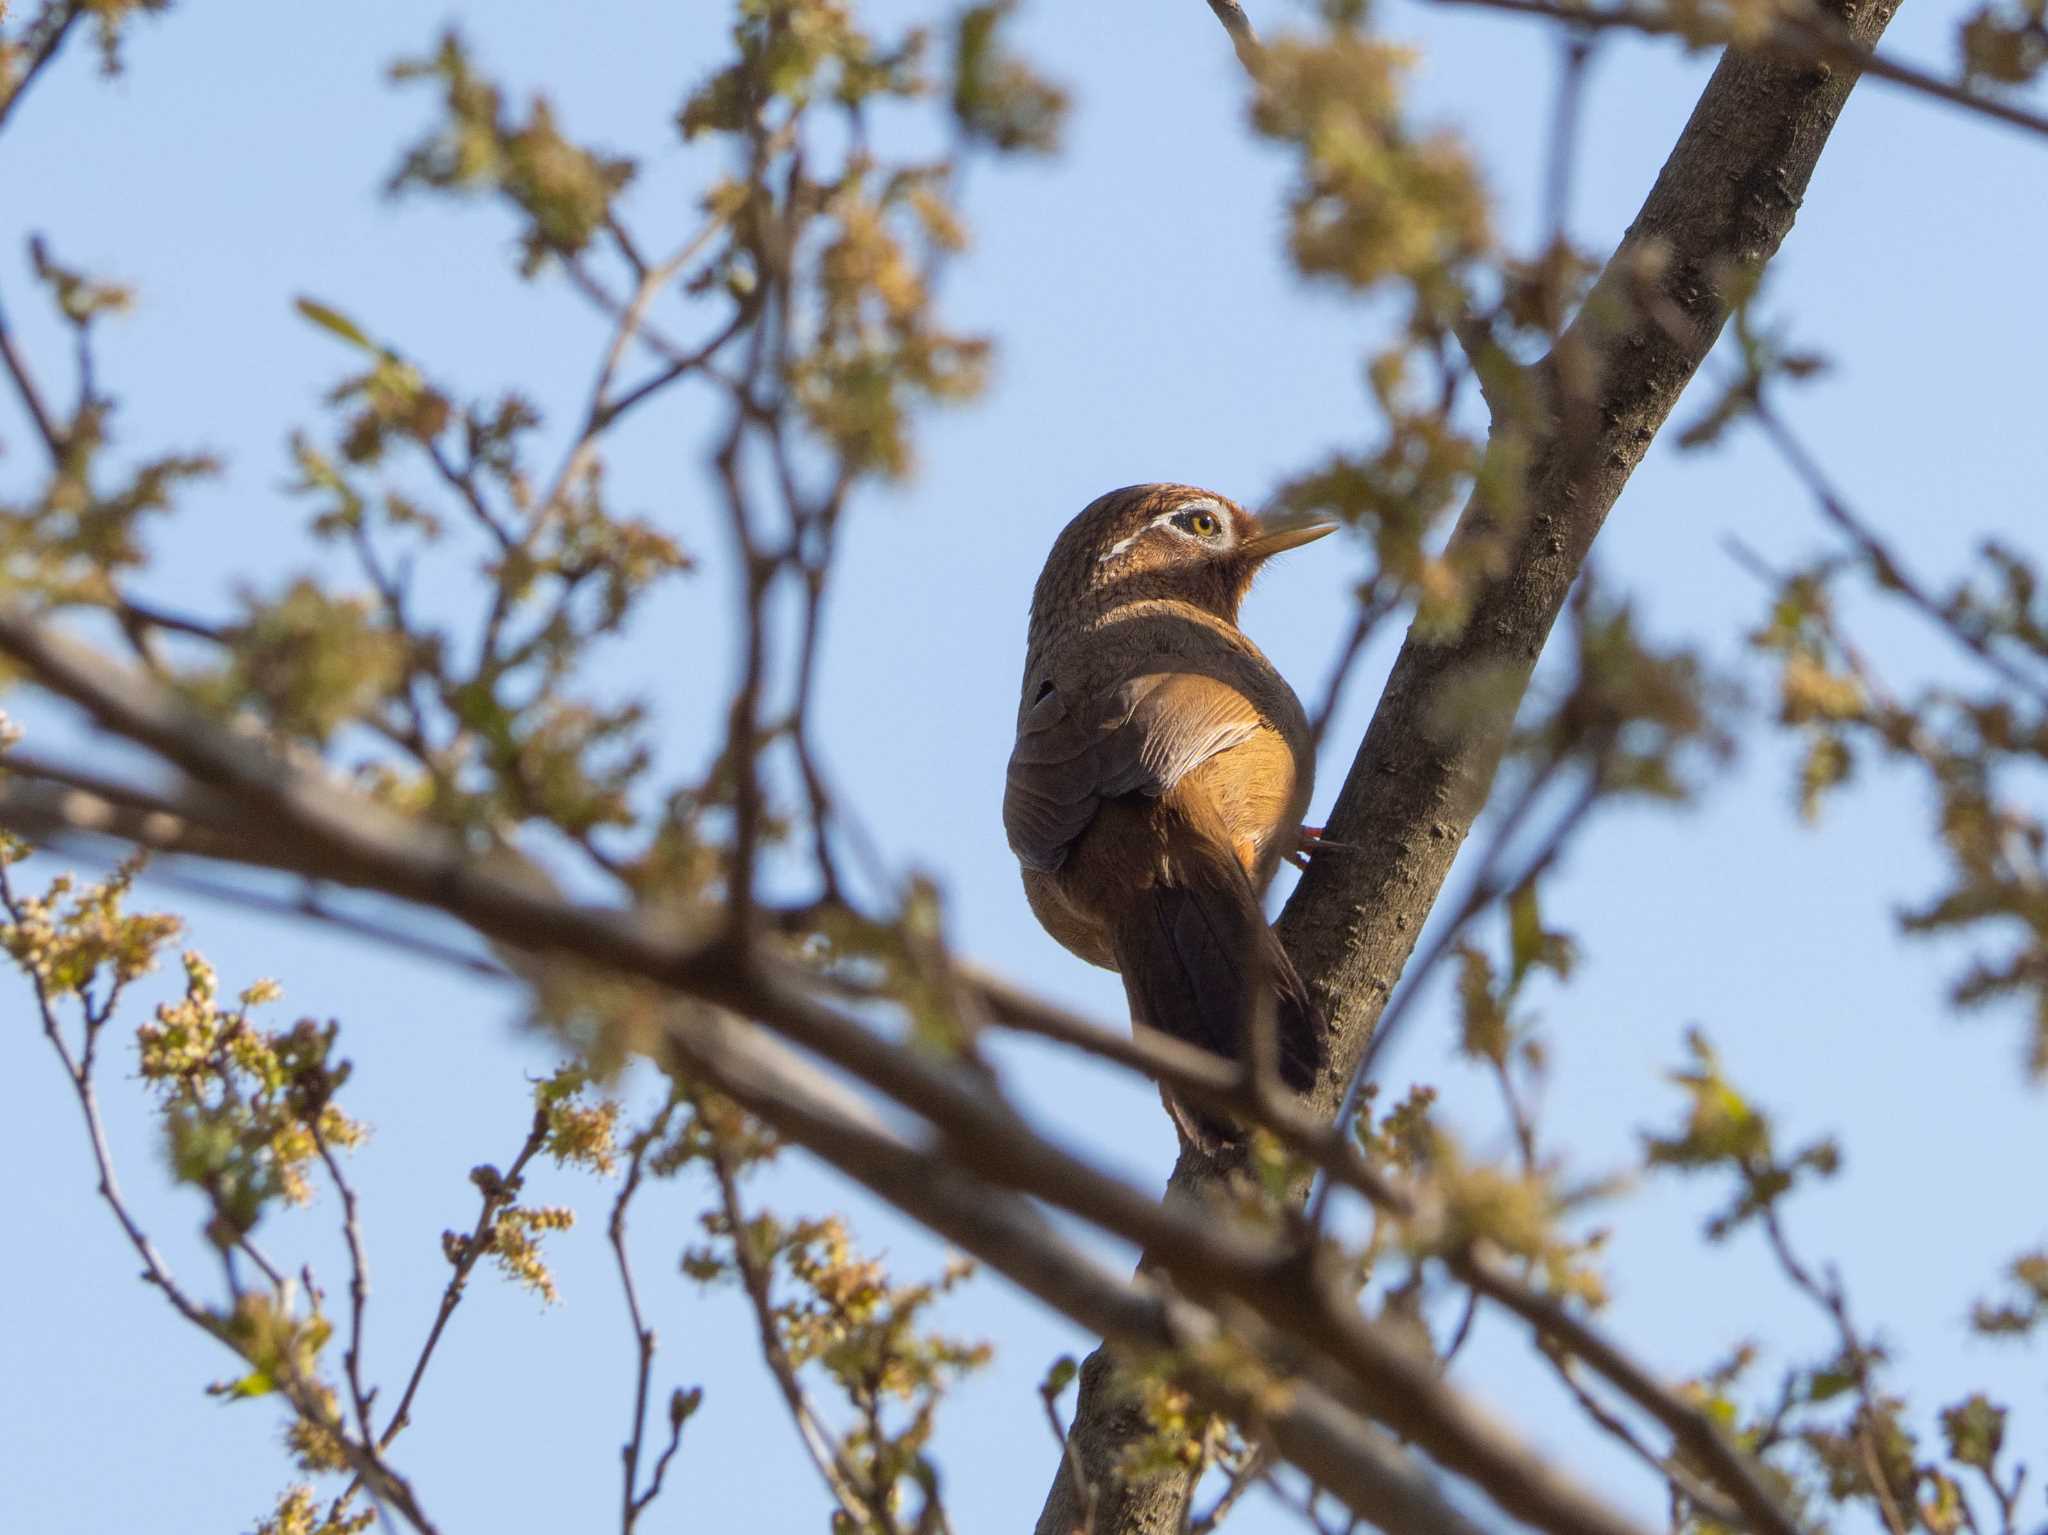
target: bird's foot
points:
(1308, 841)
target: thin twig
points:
(1462, 1333)
(661, 1462)
(1373, 609)
(1485, 889)
(358, 1280)
(308, 904)
(1248, 1473)
(818, 1441)
(78, 1070)
(1242, 38)
(1798, 39)
(270, 1271)
(1681, 1481)
(498, 1192)
(1731, 1470)
(387, 1484)
(1564, 138)
(25, 389)
(687, 362)
(1830, 1299)
(58, 20)
(1520, 1121)
(599, 413)
(743, 726)
(1884, 564)
(633, 1503)
(1070, 1456)
(462, 480)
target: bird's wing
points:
(1141, 737)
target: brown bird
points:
(1161, 770)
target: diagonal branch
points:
(1721, 205)
(1310, 1426)
(1724, 201)
(45, 36)
(1727, 196)
(965, 1180)
(1794, 40)
(53, 437)
(1242, 37)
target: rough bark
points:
(1725, 198)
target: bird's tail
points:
(1198, 958)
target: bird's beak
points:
(1270, 541)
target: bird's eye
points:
(1203, 524)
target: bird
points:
(1160, 772)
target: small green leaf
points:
(681, 1404)
(255, 1383)
(1058, 1377)
(1525, 923)
(1824, 1385)
(1975, 1428)
(335, 322)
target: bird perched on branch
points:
(1161, 770)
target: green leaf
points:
(1824, 1385)
(336, 323)
(1532, 945)
(682, 1404)
(1525, 928)
(255, 1383)
(1058, 1377)
(1975, 1428)
(1483, 1020)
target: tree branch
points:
(839, 1475)
(1309, 1426)
(632, 1501)
(1724, 200)
(25, 389)
(1242, 37)
(1336, 1362)
(498, 1192)
(1795, 40)
(52, 25)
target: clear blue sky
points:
(1148, 331)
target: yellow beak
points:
(1272, 541)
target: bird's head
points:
(1165, 541)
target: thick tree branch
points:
(1722, 204)
(1726, 197)
(964, 1181)
(1724, 201)
(1331, 1442)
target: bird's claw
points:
(1308, 841)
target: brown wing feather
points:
(1141, 737)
